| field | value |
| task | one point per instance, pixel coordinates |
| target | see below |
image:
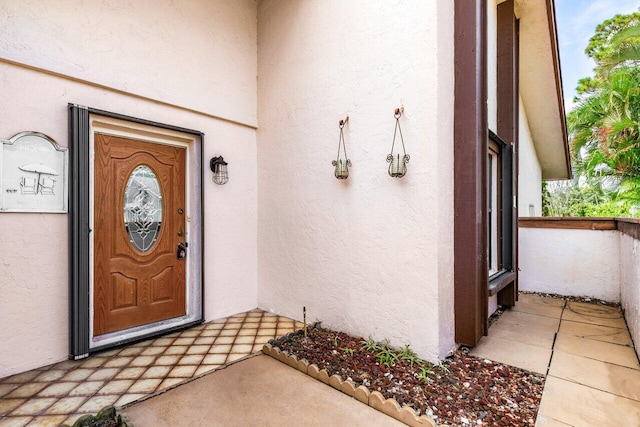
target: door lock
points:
(182, 250)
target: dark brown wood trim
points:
(499, 283)
(629, 226)
(507, 89)
(569, 223)
(470, 165)
(553, 36)
(508, 103)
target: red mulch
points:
(464, 390)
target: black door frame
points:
(80, 233)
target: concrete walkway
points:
(585, 351)
(593, 374)
(258, 391)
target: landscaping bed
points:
(463, 390)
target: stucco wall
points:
(198, 54)
(372, 254)
(570, 262)
(630, 284)
(33, 247)
(529, 172)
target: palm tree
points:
(624, 48)
(605, 130)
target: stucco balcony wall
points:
(594, 257)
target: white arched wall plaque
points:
(33, 168)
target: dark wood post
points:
(470, 164)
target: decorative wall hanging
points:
(219, 169)
(342, 165)
(397, 164)
(33, 168)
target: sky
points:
(576, 22)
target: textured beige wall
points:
(630, 284)
(198, 54)
(570, 262)
(529, 172)
(33, 247)
(372, 254)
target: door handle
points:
(182, 250)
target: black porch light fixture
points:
(341, 165)
(219, 169)
(397, 164)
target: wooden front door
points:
(139, 227)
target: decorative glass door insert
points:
(143, 208)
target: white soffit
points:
(541, 88)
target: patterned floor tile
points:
(22, 378)
(65, 391)
(103, 374)
(203, 369)
(26, 390)
(94, 404)
(170, 382)
(7, 388)
(116, 387)
(148, 385)
(47, 421)
(66, 405)
(87, 389)
(204, 341)
(130, 373)
(185, 371)
(52, 375)
(58, 389)
(15, 421)
(94, 362)
(214, 359)
(132, 351)
(154, 351)
(78, 375)
(157, 372)
(34, 406)
(128, 398)
(192, 359)
(118, 362)
(8, 405)
(167, 360)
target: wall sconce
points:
(219, 169)
(342, 166)
(397, 165)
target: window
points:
(500, 206)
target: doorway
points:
(137, 186)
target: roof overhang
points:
(541, 86)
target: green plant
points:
(386, 354)
(442, 367)
(409, 355)
(369, 345)
(347, 350)
(335, 340)
(424, 372)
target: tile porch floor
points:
(62, 392)
(593, 375)
(585, 350)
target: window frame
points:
(505, 204)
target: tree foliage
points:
(616, 41)
(610, 37)
(604, 127)
(568, 198)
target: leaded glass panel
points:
(143, 208)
